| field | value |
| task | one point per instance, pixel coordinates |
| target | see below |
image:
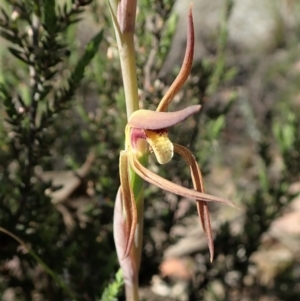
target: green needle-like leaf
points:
(89, 53)
(49, 16)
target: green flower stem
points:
(128, 67)
(125, 43)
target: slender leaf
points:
(90, 51)
(49, 16)
(19, 54)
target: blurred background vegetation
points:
(62, 126)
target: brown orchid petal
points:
(152, 120)
(128, 202)
(162, 183)
(202, 207)
(185, 68)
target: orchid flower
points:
(152, 126)
(147, 132)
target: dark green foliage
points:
(37, 32)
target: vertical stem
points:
(125, 41)
(131, 291)
(128, 67)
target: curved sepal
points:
(164, 184)
(128, 202)
(202, 207)
(185, 68)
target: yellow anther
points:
(161, 145)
